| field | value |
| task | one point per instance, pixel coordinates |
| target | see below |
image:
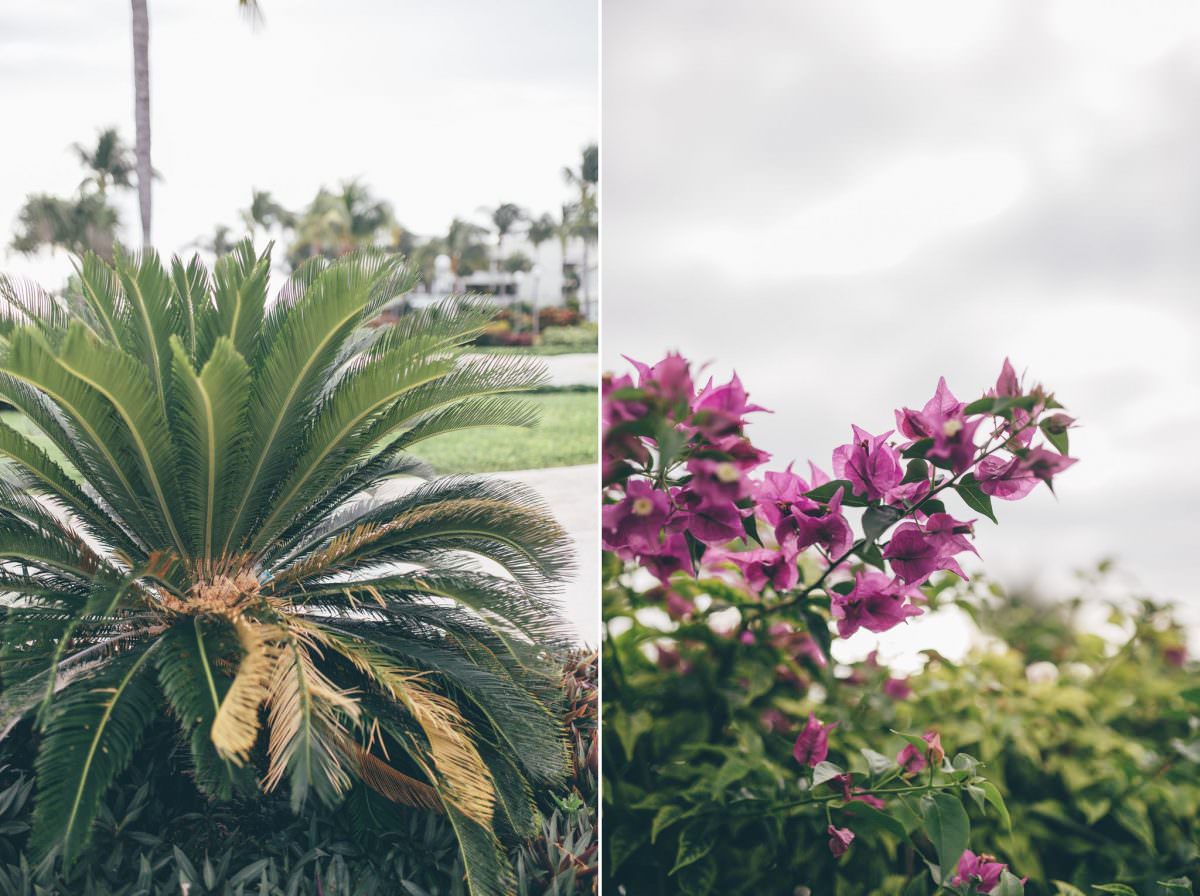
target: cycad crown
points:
(201, 506)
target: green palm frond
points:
(209, 509)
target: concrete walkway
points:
(569, 370)
(573, 493)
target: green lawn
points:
(566, 436)
(539, 350)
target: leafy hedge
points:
(1094, 747)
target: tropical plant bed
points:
(542, 349)
(157, 834)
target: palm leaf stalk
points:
(210, 506)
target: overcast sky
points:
(845, 201)
(440, 107)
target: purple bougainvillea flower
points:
(670, 380)
(717, 481)
(1005, 479)
(954, 442)
(915, 553)
(871, 800)
(763, 566)
(812, 744)
(1045, 464)
(871, 465)
(740, 451)
(981, 870)
(678, 606)
(777, 492)
(669, 556)
(712, 522)
(814, 523)
(911, 760)
(840, 840)
(897, 688)
(721, 410)
(799, 645)
(925, 423)
(1008, 384)
(634, 524)
(877, 603)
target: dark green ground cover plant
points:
(238, 535)
(156, 831)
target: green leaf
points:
(948, 827)
(1177, 884)
(94, 728)
(865, 817)
(663, 819)
(1056, 435)
(824, 493)
(826, 771)
(1008, 885)
(992, 794)
(1118, 889)
(877, 763)
(968, 489)
(1062, 888)
(878, 518)
(694, 844)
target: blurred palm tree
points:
(584, 213)
(541, 230)
(109, 162)
(141, 102)
(78, 224)
(504, 217)
(464, 245)
(335, 224)
(264, 212)
(220, 242)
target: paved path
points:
(570, 370)
(573, 493)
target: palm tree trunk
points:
(141, 111)
(584, 283)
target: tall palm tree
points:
(141, 103)
(109, 162)
(208, 519)
(585, 211)
(141, 112)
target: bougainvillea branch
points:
(690, 501)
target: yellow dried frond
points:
(305, 710)
(390, 783)
(464, 777)
(235, 728)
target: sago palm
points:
(207, 503)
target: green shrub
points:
(1099, 767)
(584, 336)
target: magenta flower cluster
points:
(684, 489)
